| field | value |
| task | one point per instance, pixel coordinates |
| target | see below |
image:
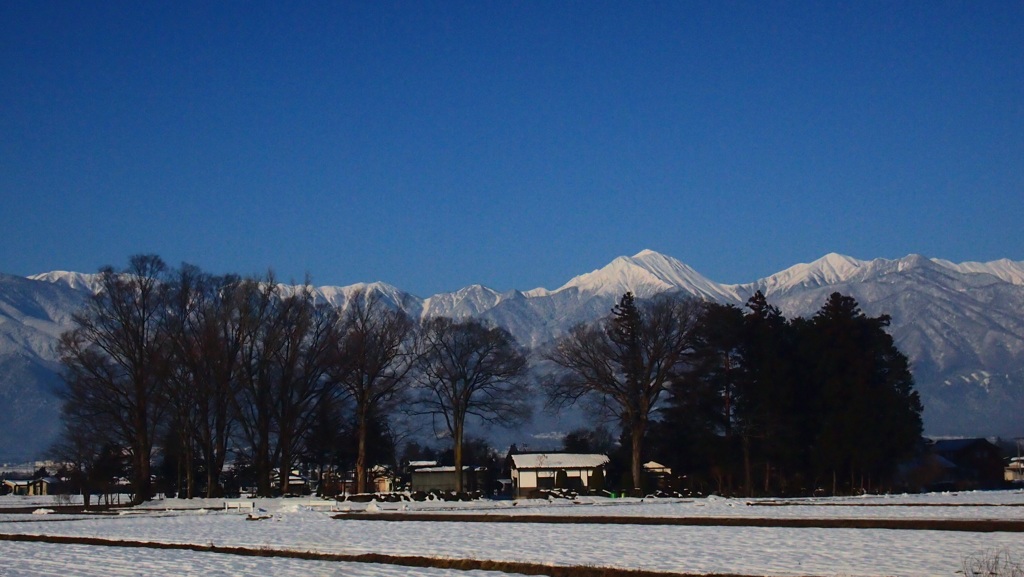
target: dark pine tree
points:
(868, 413)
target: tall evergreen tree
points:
(768, 403)
(869, 415)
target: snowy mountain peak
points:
(75, 280)
(645, 274)
(1003, 269)
(338, 296)
(832, 268)
(648, 253)
(463, 303)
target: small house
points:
(535, 471)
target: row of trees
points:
(773, 405)
(223, 363)
(748, 401)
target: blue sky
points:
(512, 144)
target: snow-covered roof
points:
(558, 461)
(656, 466)
(413, 464)
(447, 469)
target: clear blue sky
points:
(512, 144)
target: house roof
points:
(956, 445)
(655, 465)
(447, 469)
(558, 461)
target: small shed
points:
(1014, 471)
(660, 476)
(384, 481)
(44, 486)
(656, 468)
(533, 471)
(297, 484)
(429, 479)
(17, 487)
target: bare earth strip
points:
(900, 505)
(376, 558)
(971, 525)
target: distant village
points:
(946, 465)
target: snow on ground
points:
(747, 550)
(47, 559)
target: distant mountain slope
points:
(962, 325)
(964, 334)
(32, 316)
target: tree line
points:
(205, 366)
(745, 401)
(780, 405)
(220, 364)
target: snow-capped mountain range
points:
(962, 325)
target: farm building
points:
(42, 486)
(17, 487)
(979, 463)
(429, 479)
(533, 471)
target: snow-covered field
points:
(46, 559)
(708, 549)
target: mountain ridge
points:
(649, 272)
(962, 325)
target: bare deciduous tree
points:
(372, 364)
(287, 340)
(307, 338)
(467, 368)
(255, 399)
(205, 333)
(625, 362)
(113, 360)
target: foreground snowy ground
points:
(747, 550)
(46, 559)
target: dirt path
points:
(972, 525)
